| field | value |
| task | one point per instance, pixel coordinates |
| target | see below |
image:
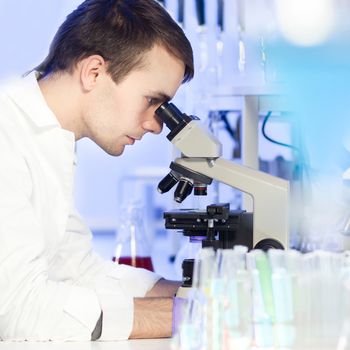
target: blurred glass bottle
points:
(344, 338)
(132, 247)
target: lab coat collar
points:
(26, 93)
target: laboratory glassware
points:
(132, 247)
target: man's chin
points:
(115, 152)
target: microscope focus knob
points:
(268, 243)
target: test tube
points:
(193, 330)
(204, 269)
(284, 330)
(237, 322)
(293, 261)
(241, 36)
(263, 310)
(321, 299)
(219, 41)
(343, 342)
(244, 289)
(216, 303)
(331, 284)
(202, 35)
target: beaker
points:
(132, 246)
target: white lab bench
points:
(144, 344)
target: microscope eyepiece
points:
(183, 189)
(170, 115)
(175, 121)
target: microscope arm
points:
(270, 194)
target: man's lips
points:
(133, 139)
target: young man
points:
(111, 64)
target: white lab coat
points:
(52, 285)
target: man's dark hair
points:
(121, 31)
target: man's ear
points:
(92, 68)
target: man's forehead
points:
(163, 72)
(152, 56)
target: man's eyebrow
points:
(161, 96)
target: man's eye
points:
(152, 101)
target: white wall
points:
(26, 29)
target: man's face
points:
(119, 114)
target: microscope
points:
(219, 227)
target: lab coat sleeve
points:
(61, 299)
(32, 306)
(115, 285)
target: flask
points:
(132, 246)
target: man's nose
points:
(154, 125)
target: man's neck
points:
(62, 94)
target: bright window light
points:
(305, 22)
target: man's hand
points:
(153, 315)
(153, 318)
(164, 288)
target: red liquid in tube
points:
(144, 262)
